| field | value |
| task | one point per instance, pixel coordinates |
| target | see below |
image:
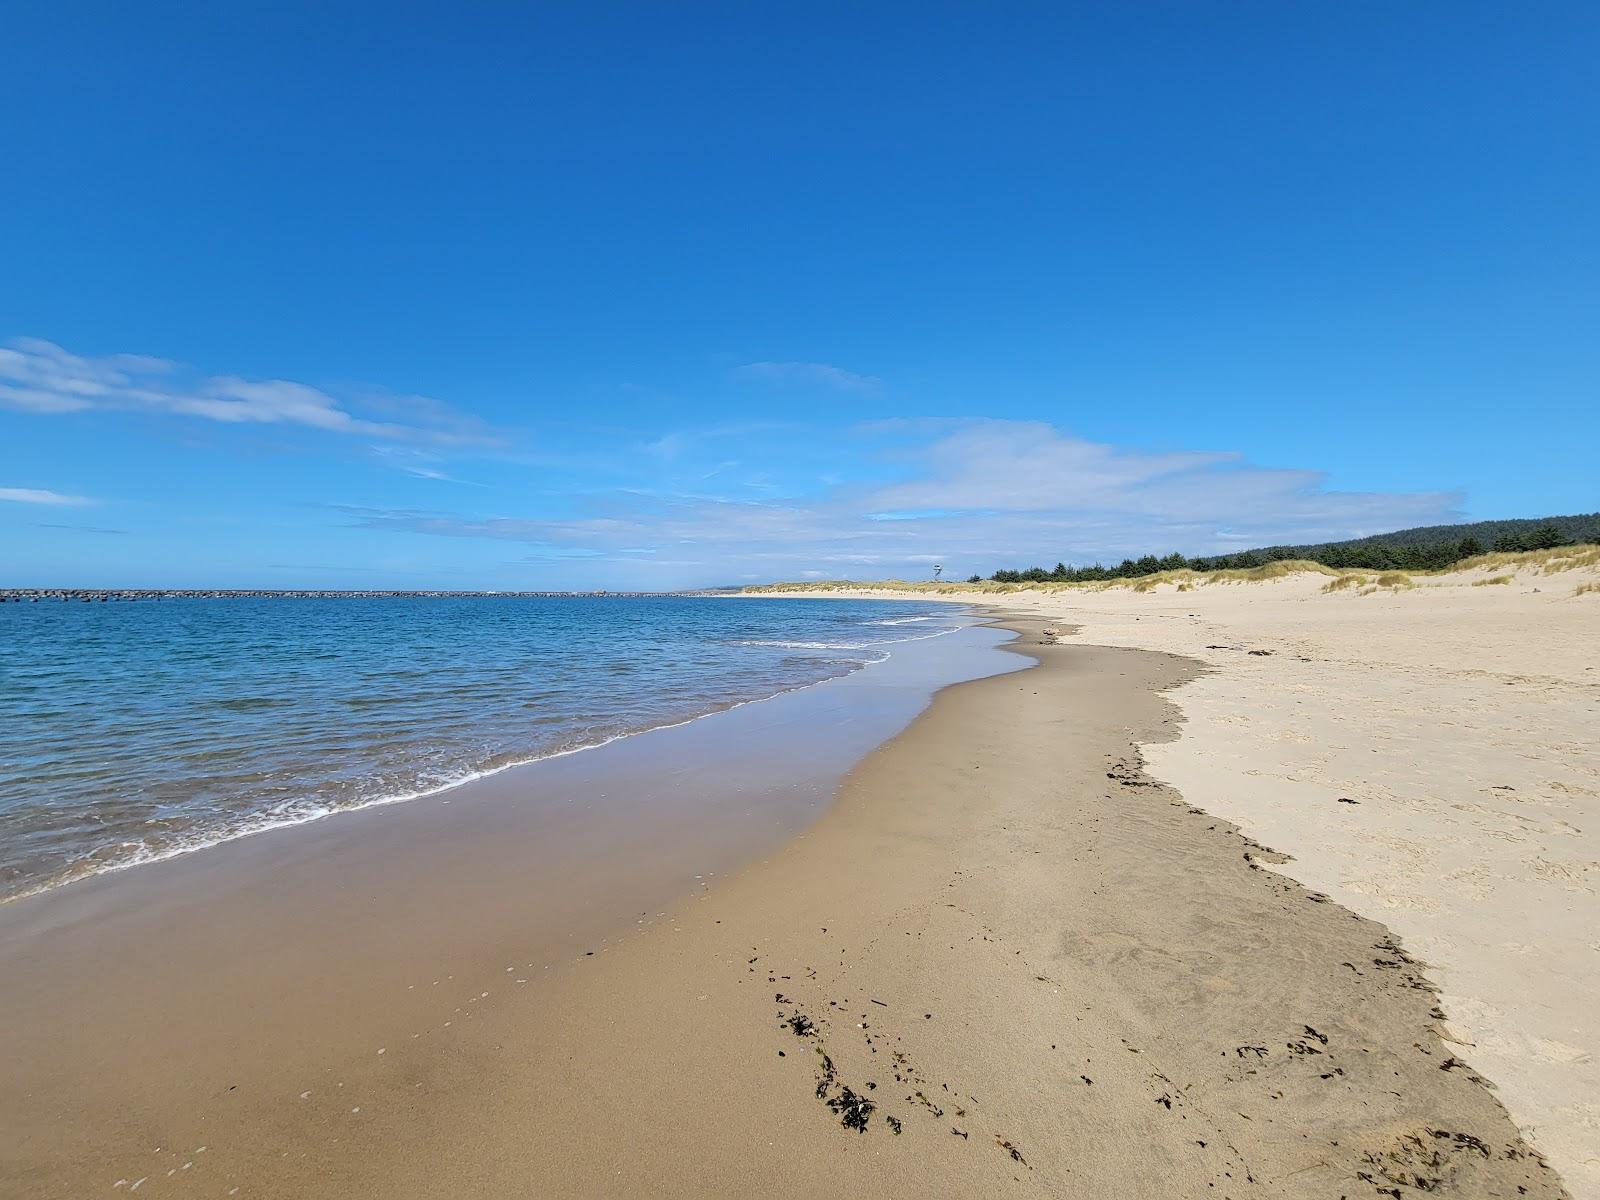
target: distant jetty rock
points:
(106, 595)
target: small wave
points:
(417, 724)
(782, 645)
(871, 645)
(304, 810)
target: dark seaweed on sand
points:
(854, 1110)
(1016, 1154)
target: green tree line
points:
(1384, 552)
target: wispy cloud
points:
(416, 463)
(812, 373)
(999, 470)
(41, 377)
(980, 495)
(680, 443)
(78, 528)
(41, 496)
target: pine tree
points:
(1547, 537)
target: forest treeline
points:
(1427, 548)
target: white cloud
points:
(1030, 466)
(822, 374)
(982, 495)
(994, 467)
(39, 376)
(40, 496)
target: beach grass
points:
(1184, 578)
(1352, 579)
(1544, 562)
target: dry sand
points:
(1057, 976)
(1460, 716)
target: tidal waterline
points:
(218, 994)
(133, 732)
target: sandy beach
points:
(1005, 962)
(1425, 756)
(240, 997)
(799, 602)
(1005, 958)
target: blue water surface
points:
(131, 731)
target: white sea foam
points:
(305, 812)
(871, 645)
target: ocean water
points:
(134, 731)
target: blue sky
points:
(659, 295)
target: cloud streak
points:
(992, 467)
(41, 496)
(40, 377)
(79, 528)
(980, 495)
(809, 373)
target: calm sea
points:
(134, 731)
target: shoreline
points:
(214, 954)
(997, 878)
(287, 824)
(253, 824)
(1105, 996)
(1425, 756)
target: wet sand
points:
(1004, 960)
(191, 1002)
(1426, 755)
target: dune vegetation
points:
(1506, 564)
